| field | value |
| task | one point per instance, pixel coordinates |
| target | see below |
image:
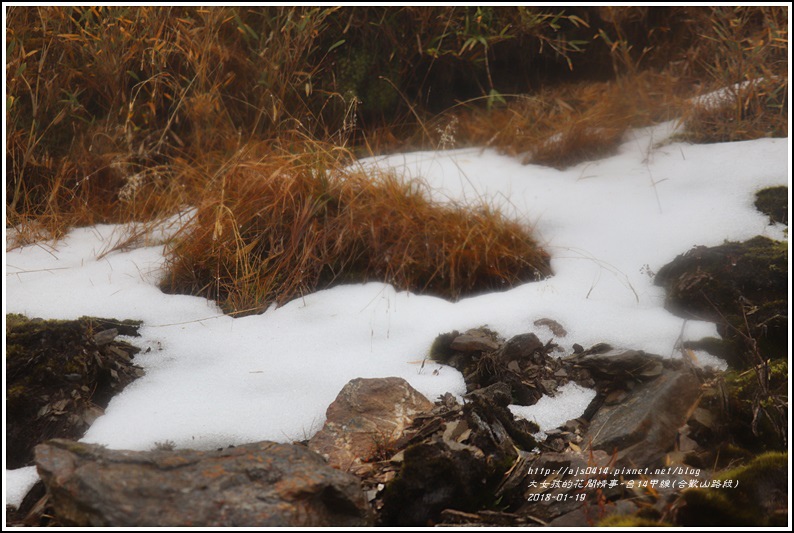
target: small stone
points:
(686, 444)
(119, 353)
(702, 418)
(573, 425)
(615, 397)
(520, 347)
(472, 343)
(106, 336)
(653, 370)
(555, 327)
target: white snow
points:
(213, 381)
(550, 412)
(17, 483)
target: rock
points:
(106, 337)
(555, 327)
(644, 426)
(615, 397)
(434, 477)
(617, 365)
(742, 286)
(521, 347)
(475, 340)
(366, 419)
(60, 374)
(457, 458)
(256, 485)
(549, 485)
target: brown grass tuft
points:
(565, 125)
(276, 228)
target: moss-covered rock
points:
(743, 287)
(60, 374)
(773, 202)
(755, 494)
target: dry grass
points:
(565, 125)
(741, 50)
(276, 228)
(118, 114)
(747, 51)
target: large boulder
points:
(366, 419)
(256, 485)
(643, 427)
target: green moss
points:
(758, 497)
(711, 507)
(758, 470)
(773, 202)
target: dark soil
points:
(773, 202)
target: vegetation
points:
(284, 226)
(758, 499)
(255, 115)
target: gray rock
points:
(257, 485)
(520, 348)
(644, 426)
(474, 340)
(620, 365)
(365, 419)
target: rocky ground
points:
(664, 442)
